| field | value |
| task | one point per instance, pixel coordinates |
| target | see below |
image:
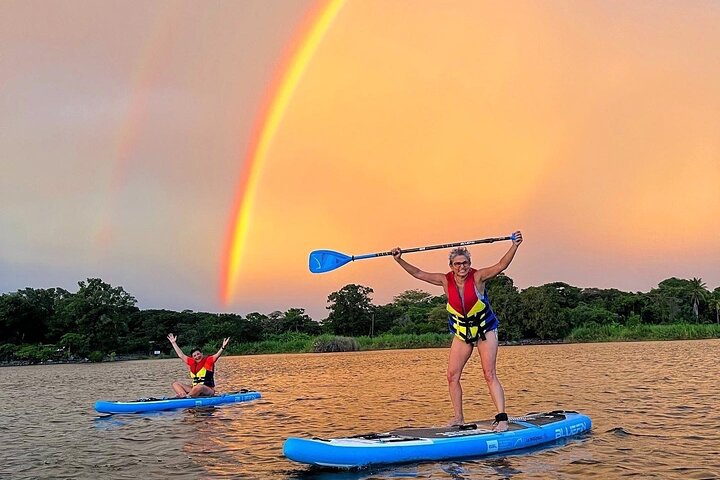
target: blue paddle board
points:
(422, 444)
(155, 404)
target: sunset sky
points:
(135, 138)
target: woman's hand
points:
(517, 238)
(172, 338)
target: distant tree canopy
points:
(99, 319)
(351, 311)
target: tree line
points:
(100, 320)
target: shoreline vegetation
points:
(292, 343)
(300, 343)
(101, 322)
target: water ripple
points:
(651, 419)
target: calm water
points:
(655, 408)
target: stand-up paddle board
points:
(421, 444)
(155, 404)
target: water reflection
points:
(123, 419)
(502, 466)
(640, 402)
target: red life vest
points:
(202, 372)
(467, 306)
(470, 317)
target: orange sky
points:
(586, 125)
(591, 126)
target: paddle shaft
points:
(435, 247)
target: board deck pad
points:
(156, 404)
(474, 428)
(484, 427)
(410, 444)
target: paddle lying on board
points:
(322, 261)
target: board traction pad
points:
(465, 430)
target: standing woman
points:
(472, 322)
(202, 370)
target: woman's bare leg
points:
(181, 389)
(202, 391)
(460, 352)
(488, 350)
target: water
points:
(654, 407)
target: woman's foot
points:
(501, 422)
(456, 421)
(501, 426)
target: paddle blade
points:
(325, 260)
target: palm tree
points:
(714, 302)
(698, 293)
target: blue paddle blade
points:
(325, 260)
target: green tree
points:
(74, 344)
(198, 329)
(384, 318)
(505, 300)
(438, 320)
(668, 303)
(412, 298)
(148, 329)
(546, 309)
(674, 300)
(238, 328)
(584, 314)
(351, 311)
(412, 309)
(27, 316)
(715, 304)
(659, 308)
(272, 323)
(100, 312)
(15, 314)
(698, 293)
(296, 320)
(35, 353)
(7, 351)
(620, 303)
(252, 328)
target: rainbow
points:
(144, 76)
(278, 96)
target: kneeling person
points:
(202, 371)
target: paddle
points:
(322, 261)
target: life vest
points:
(469, 316)
(202, 372)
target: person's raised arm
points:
(490, 272)
(433, 278)
(222, 348)
(173, 342)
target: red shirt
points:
(202, 372)
(207, 362)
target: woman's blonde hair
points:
(459, 251)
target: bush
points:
(591, 314)
(641, 331)
(391, 342)
(7, 351)
(327, 343)
(633, 320)
(282, 343)
(35, 353)
(96, 356)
